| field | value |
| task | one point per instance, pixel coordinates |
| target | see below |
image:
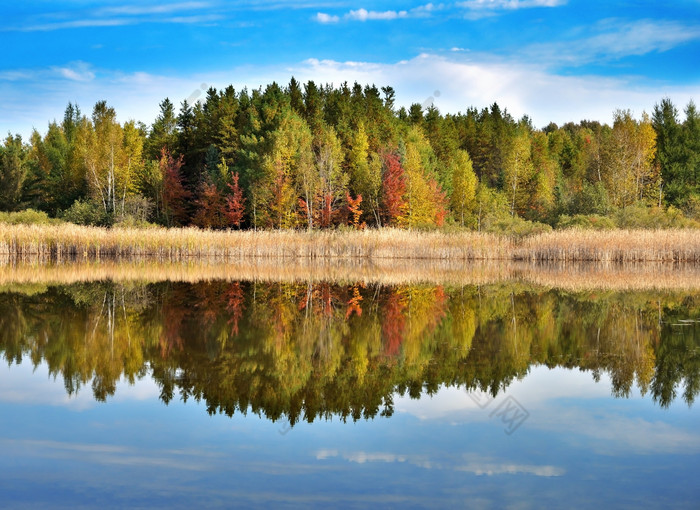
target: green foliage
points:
(587, 222)
(515, 226)
(641, 216)
(464, 183)
(13, 171)
(300, 150)
(136, 210)
(28, 217)
(592, 199)
(87, 212)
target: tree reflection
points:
(312, 350)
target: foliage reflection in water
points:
(298, 351)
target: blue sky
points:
(555, 60)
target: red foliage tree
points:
(393, 188)
(211, 207)
(326, 211)
(440, 200)
(175, 195)
(355, 210)
(235, 202)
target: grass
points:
(68, 241)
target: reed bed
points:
(66, 241)
(621, 246)
(575, 277)
(69, 242)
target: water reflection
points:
(304, 351)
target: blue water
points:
(577, 447)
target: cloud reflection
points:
(26, 384)
(475, 464)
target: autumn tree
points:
(288, 159)
(365, 173)
(210, 209)
(424, 197)
(393, 190)
(235, 202)
(333, 180)
(110, 154)
(462, 201)
(355, 209)
(629, 157)
(174, 193)
(541, 186)
(517, 170)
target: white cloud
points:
(482, 80)
(613, 39)
(463, 80)
(197, 19)
(79, 71)
(477, 9)
(78, 23)
(136, 10)
(322, 17)
(509, 4)
(120, 16)
(364, 15)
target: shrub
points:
(582, 221)
(691, 207)
(640, 216)
(28, 217)
(515, 226)
(135, 212)
(87, 213)
(592, 199)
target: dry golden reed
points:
(623, 246)
(57, 242)
(66, 241)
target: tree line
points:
(310, 156)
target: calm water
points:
(255, 394)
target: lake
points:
(221, 392)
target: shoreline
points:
(74, 242)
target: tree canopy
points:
(312, 156)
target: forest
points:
(312, 157)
